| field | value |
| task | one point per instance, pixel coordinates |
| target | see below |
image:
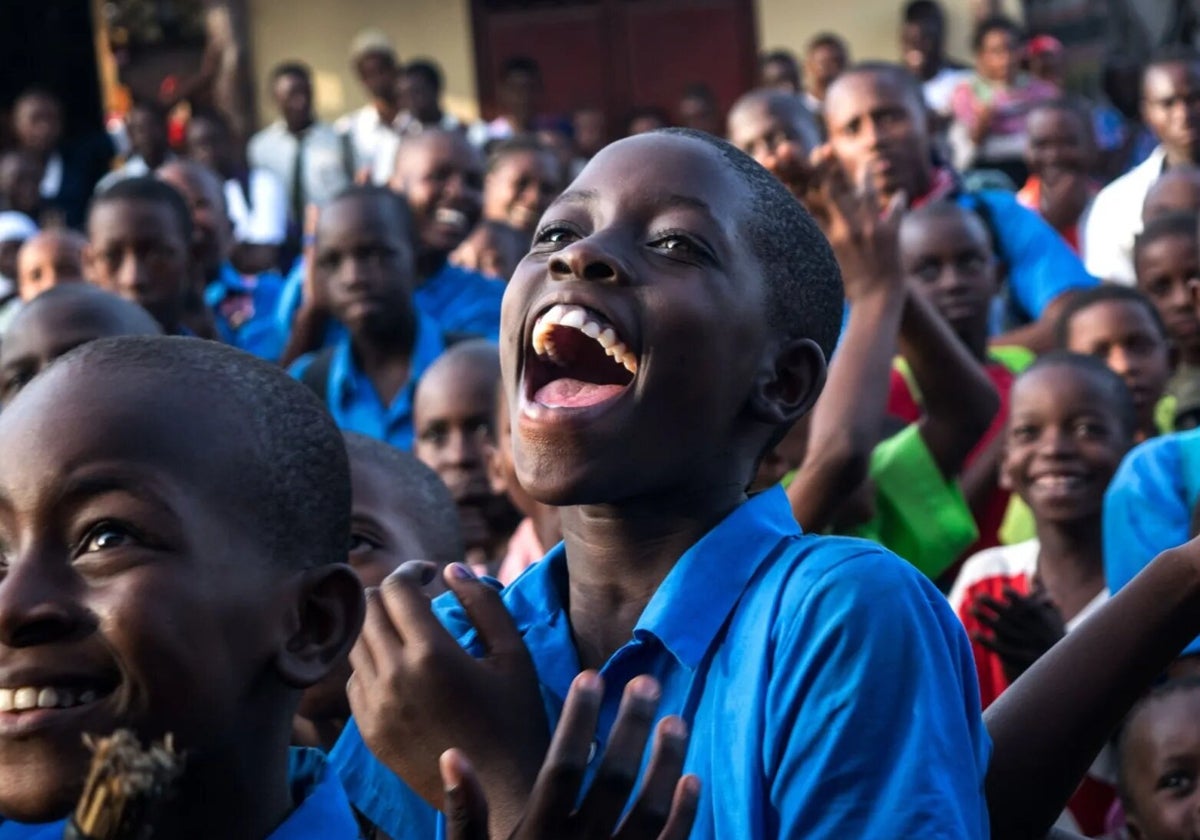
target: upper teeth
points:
(586, 322)
(34, 697)
(450, 216)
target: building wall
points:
(320, 32)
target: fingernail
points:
(674, 727)
(645, 688)
(590, 681)
(691, 785)
(461, 571)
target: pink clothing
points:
(1010, 104)
(524, 549)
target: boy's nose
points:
(36, 607)
(585, 261)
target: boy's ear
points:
(327, 614)
(495, 470)
(789, 382)
(89, 258)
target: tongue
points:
(574, 393)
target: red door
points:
(618, 54)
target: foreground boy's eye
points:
(555, 235)
(105, 536)
(361, 543)
(1176, 781)
(676, 244)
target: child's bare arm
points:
(1049, 725)
(313, 317)
(847, 421)
(960, 401)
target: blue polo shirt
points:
(322, 812)
(244, 311)
(352, 399)
(829, 688)
(1040, 265)
(1148, 506)
(462, 301)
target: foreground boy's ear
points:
(328, 614)
(789, 382)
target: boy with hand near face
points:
(661, 320)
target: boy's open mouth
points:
(578, 359)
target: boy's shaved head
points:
(295, 478)
(804, 293)
(426, 501)
(84, 303)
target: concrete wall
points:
(320, 31)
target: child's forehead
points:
(951, 226)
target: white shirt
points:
(52, 177)
(372, 140)
(326, 169)
(1116, 218)
(263, 219)
(940, 89)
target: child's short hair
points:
(296, 479)
(1164, 690)
(827, 39)
(150, 190)
(804, 293)
(1069, 106)
(518, 64)
(778, 56)
(925, 12)
(427, 499)
(511, 146)
(1120, 400)
(427, 69)
(994, 23)
(1104, 294)
(291, 68)
(1171, 54)
(392, 202)
(897, 74)
(1161, 227)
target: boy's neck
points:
(1071, 562)
(547, 524)
(385, 359)
(241, 794)
(1190, 355)
(430, 263)
(619, 555)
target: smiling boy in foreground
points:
(672, 320)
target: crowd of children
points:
(426, 478)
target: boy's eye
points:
(972, 264)
(555, 235)
(13, 384)
(1177, 781)
(106, 536)
(1091, 430)
(361, 543)
(680, 245)
(1023, 434)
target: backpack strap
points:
(316, 375)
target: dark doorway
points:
(618, 54)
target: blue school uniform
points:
(464, 302)
(829, 688)
(322, 811)
(1040, 264)
(352, 399)
(1148, 506)
(244, 310)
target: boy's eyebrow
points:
(110, 480)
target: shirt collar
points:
(428, 346)
(700, 592)
(322, 809)
(692, 604)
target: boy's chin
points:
(41, 792)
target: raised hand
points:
(416, 693)
(665, 807)
(1021, 628)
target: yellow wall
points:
(320, 31)
(870, 26)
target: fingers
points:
(487, 612)
(683, 809)
(465, 805)
(557, 786)
(622, 761)
(654, 802)
(1009, 652)
(408, 608)
(378, 641)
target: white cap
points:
(16, 227)
(371, 42)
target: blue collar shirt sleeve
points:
(462, 301)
